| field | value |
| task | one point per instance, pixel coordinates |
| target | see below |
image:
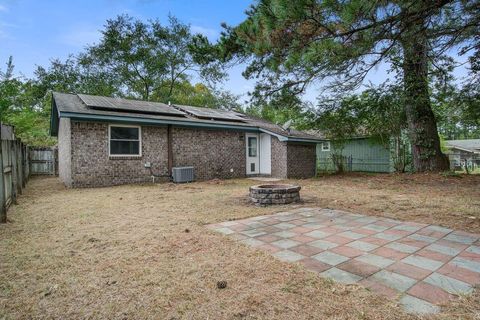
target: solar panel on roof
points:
(119, 104)
(209, 113)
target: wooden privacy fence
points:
(43, 161)
(15, 169)
(17, 163)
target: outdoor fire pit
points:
(267, 194)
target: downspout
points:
(259, 155)
(170, 151)
(169, 158)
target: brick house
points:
(106, 141)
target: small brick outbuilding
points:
(106, 141)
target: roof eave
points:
(182, 123)
(304, 140)
(139, 120)
(460, 148)
(291, 139)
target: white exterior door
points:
(253, 154)
(265, 153)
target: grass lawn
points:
(143, 251)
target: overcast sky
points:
(35, 31)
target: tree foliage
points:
(22, 107)
(76, 75)
(202, 96)
(134, 59)
(282, 107)
(291, 44)
(150, 59)
(294, 43)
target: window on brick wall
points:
(125, 140)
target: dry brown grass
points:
(452, 202)
(429, 198)
(123, 252)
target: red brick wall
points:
(65, 151)
(213, 154)
(92, 166)
(279, 158)
(301, 160)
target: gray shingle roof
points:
(473, 145)
(68, 104)
(277, 129)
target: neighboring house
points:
(106, 141)
(463, 152)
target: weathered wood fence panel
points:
(43, 161)
(7, 171)
(14, 169)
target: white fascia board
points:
(279, 136)
(292, 139)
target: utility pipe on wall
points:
(169, 149)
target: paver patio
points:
(421, 265)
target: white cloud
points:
(211, 34)
(3, 8)
(81, 37)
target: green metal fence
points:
(363, 154)
(355, 164)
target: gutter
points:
(291, 139)
(82, 116)
(462, 149)
(305, 140)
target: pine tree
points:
(291, 44)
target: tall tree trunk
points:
(422, 126)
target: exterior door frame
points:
(265, 154)
(252, 154)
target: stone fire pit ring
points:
(267, 194)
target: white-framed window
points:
(252, 146)
(326, 146)
(124, 140)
